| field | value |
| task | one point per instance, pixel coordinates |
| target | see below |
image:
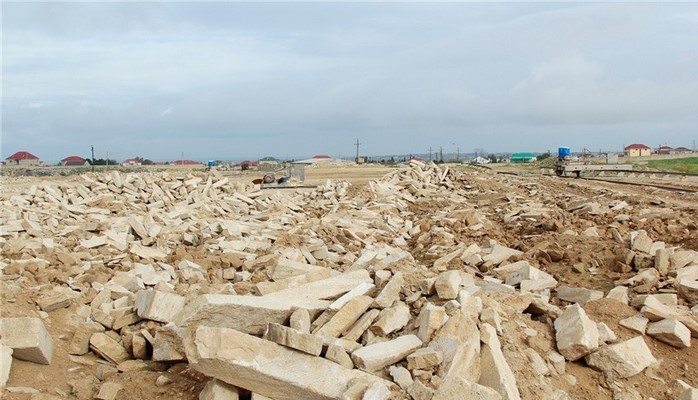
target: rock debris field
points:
(428, 283)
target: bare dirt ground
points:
(554, 243)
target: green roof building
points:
(522, 157)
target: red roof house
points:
(637, 150)
(74, 161)
(664, 150)
(185, 162)
(321, 156)
(23, 158)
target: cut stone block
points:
(361, 290)
(80, 342)
(624, 359)
(636, 323)
(379, 355)
(28, 339)
(337, 354)
(578, 295)
(496, 372)
(158, 306)
(330, 288)
(662, 261)
(392, 319)
(447, 285)
(217, 390)
(391, 292)
(248, 314)
(457, 388)
(167, 344)
(108, 348)
(5, 364)
(671, 332)
(345, 317)
(425, 358)
(557, 361)
(576, 334)
(360, 326)
(54, 301)
(294, 339)
(537, 362)
(420, 391)
(267, 368)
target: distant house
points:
(681, 150)
(269, 163)
(664, 150)
(481, 160)
(23, 158)
(131, 162)
(637, 150)
(321, 156)
(185, 162)
(522, 158)
(74, 161)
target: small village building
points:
(74, 161)
(131, 162)
(23, 158)
(637, 150)
(664, 150)
(522, 158)
(681, 150)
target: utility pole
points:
(93, 157)
(429, 153)
(441, 153)
(357, 144)
(457, 154)
(107, 159)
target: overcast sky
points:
(246, 80)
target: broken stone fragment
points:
(108, 391)
(28, 339)
(345, 317)
(80, 342)
(300, 320)
(424, 358)
(391, 319)
(624, 359)
(401, 376)
(337, 354)
(390, 293)
(636, 323)
(457, 388)
(217, 390)
(496, 372)
(619, 293)
(671, 332)
(430, 319)
(108, 348)
(576, 334)
(447, 285)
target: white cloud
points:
(167, 111)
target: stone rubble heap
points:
(320, 294)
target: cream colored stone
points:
(575, 333)
(447, 285)
(158, 306)
(496, 372)
(345, 317)
(671, 332)
(391, 319)
(28, 339)
(108, 348)
(624, 359)
(294, 339)
(262, 367)
(217, 390)
(390, 293)
(425, 358)
(380, 355)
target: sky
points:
(233, 81)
